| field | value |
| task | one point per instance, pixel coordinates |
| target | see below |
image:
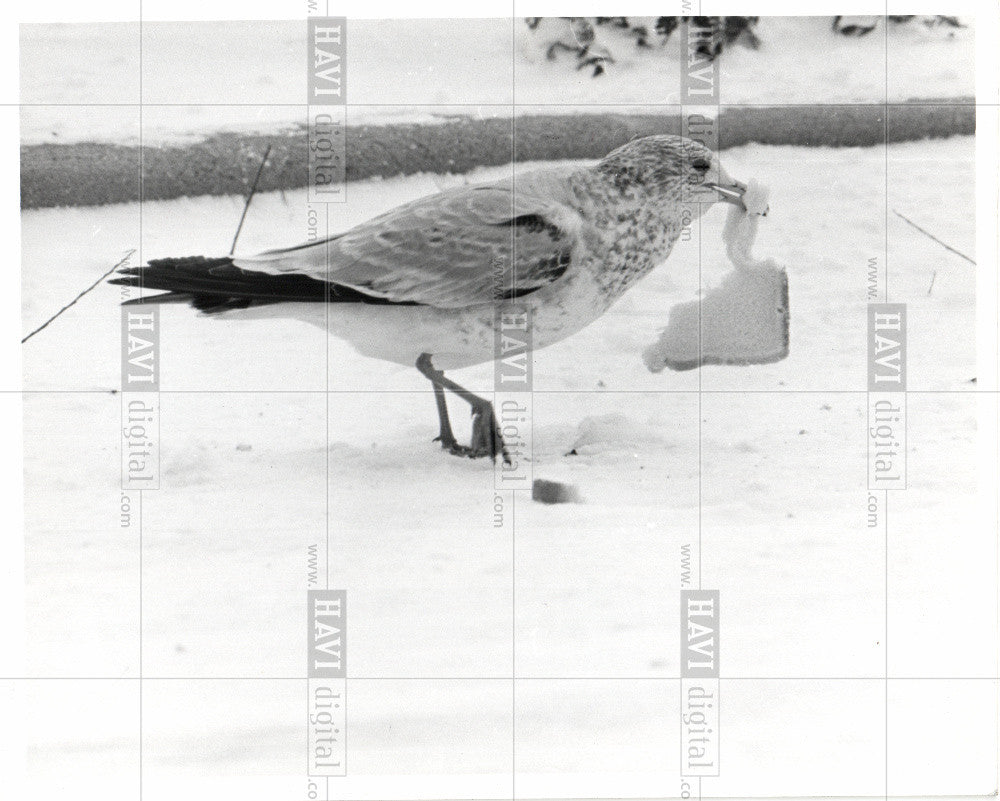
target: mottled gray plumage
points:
(425, 282)
(486, 243)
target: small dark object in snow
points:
(554, 492)
(244, 447)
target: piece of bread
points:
(744, 320)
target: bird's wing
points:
(463, 246)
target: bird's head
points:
(680, 169)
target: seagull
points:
(424, 284)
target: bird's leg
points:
(486, 438)
(446, 437)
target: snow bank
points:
(397, 67)
(424, 96)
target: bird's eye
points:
(701, 165)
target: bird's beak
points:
(731, 193)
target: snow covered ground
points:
(399, 68)
(453, 587)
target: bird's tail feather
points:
(215, 285)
